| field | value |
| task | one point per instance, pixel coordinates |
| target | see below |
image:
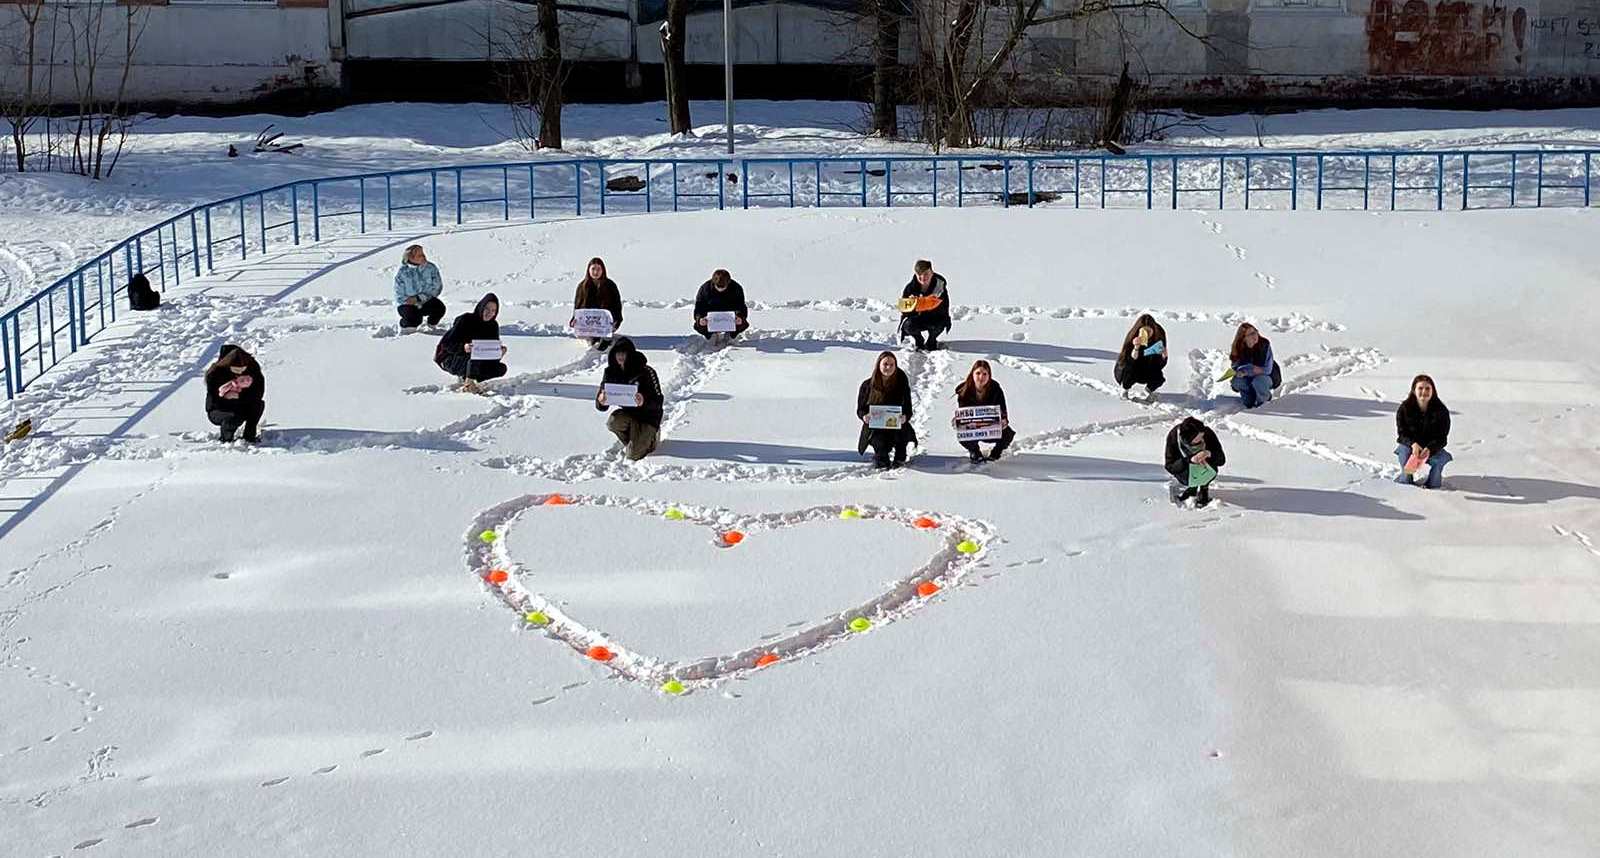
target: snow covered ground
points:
(290, 649)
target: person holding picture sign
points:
(471, 349)
(1422, 426)
(630, 386)
(1193, 457)
(884, 406)
(925, 307)
(597, 306)
(981, 414)
(1253, 372)
(1143, 357)
(720, 310)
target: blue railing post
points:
(888, 183)
(577, 184)
(316, 210)
(1294, 183)
(791, 181)
(244, 251)
(1249, 165)
(1586, 180)
(1030, 183)
(5, 349)
(532, 194)
(1222, 182)
(744, 186)
(505, 193)
(1149, 183)
(261, 211)
(73, 320)
(936, 183)
(362, 196)
(458, 198)
(1102, 181)
(194, 242)
(602, 166)
(1439, 186)
(863, 168)
(127, 260)
(1539, 193)
(1005, 172)
(1394, 181)
(1513, 180)
(961, 191)
(388, 203)
(433, 184)
(1466, 178)
(294, 211)
(1366, 182)
(210, 263)
(1174, 183)
(1319, 182)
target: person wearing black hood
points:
(454, 352)
(887, 386)
(721, 294)
(636, 424)
(928, 296)
(235, 391)
(1422, 425)
(1194, 455)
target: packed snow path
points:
(288, 648)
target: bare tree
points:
(102, 122)
(25, 107)
(533, 74)
(673, 32)
(886, 66)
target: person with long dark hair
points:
(1422, 424)
(888, 386)
(454, 353)
(235, 393)
(1143, 357)
(1193, 457)
(636, 424)
(596, 291)
(979, 389)
(1255, 373)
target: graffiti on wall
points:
(1449, 37)
(1578, 35)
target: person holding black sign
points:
(637, 424)
(884, 406)
(1194, 455)
(1143, 357)
(925, 306)
(596, 291)
(455, 353)
(980, 389)
(720, 294)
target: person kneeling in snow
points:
(1423, 428)
(1143, 357)
(416, 290)
(721, 294)
(454, 353)
(980, 388)
(1255, 373)
(596, 291)
(887, 386)
(1194, 455)
(636, 424)
(925, 306)
(234, 393)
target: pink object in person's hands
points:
(1414, 464)
(242, 382)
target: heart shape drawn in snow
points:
(961, 545)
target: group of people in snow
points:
(1193, 455)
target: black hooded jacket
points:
(1143, 364)
(710, 300)
(1178, 463)
(635, 369)
(220, 375)
(937, 319)
(1430, 428)
(467, 328)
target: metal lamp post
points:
(727, 67)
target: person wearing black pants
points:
(721, 294)
(416, 290)
(887, 386)
(1143, 357)
(235, 391)
(931, 313)
(454, 352)
(980, 388)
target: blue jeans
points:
(1436, 463)
(1253, 390)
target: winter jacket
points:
(635, 369)
(468, 327)
(140, 295)
(600, 296)
(710, 300)
(1430, 428)
(992, 395)
(1178, 463)
(1146, 362)
(216, 377)
(1260, 356)
(417, 281)
(936, 319)
(899, 394)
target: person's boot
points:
(1205, 496)
(1187, 494)
(225, 436)
(933, 342)
(994, 455)
(880, 463)
(976, 457)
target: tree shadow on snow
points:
(751, 453)
(1519, 491)
(1321, 502)
(1043, 352)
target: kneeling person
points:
(1193, 457)
(636, 424)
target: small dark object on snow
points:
(869, 172)
(625, 183)
(268, 142)
(733, 178)
(21, 431)
(1113, 148)
(140, 295)
(1020, 198)
(232, 152)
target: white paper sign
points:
(486, 350)
(979, 423)
(722, 321)
(621, 395)
(884, 417)
(592, 323)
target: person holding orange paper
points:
(925, 307)
(1422, 426)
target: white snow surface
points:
(290, 649)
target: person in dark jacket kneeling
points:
(1194, 455)
(235, 391)
(140, 295)
(1422, 429)
(887, 386)
(928, 298)
(636, 424)
(980, 388)
(1143, 357)
(454, 352)
(721, 294)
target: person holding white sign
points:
(1194, 456)
(721, 295)
(1143, 357)
(980, 391)
(888, 389)
(637, 419)
(456, 353)
(596, 291)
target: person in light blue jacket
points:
(416, 291)
(1255, 373)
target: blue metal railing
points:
(46, 328)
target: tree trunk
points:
(1117, 110)
(550, 73)
(886, 70)
(672, 52)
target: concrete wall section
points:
(478, 30)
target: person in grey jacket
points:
(416, 290)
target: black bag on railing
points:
(140, 295)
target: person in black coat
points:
(1422, 425)
(596, 291)
(1192, 443)
(636, 424)
(980, 388)
(887, 386)
(454, 352)
(1143, 357)
(235, 393)
(721, 294)
(932, 313)
(140, 295)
